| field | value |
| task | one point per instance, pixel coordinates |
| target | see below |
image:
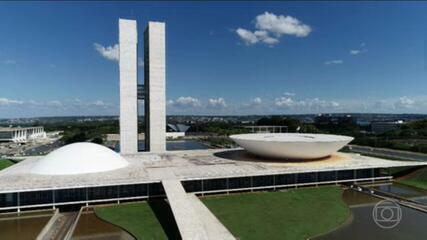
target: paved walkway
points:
(59, 228)
(189, 225)
(212, 225)
(193, 219)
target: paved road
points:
(388, 153)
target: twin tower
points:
(152, 92)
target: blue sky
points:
(222, 58)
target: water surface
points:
(90, 226)
(23, 226)
(362, 226)
(173, 145)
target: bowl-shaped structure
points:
(291, 145)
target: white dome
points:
(291, 145)
(79, 158)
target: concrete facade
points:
(19, 134)
(128, 39)
(155, 85)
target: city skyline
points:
(222, 58)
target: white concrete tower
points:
(155, 87)
(128, 39)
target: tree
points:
(98, 140)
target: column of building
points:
(155, 84)
(128, 39)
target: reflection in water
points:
(91, 227)
(23, 226)
(402, 190)
(362, 225)
(184, 145)
(422, 200)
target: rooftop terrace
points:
(183, 165)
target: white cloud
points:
(270, 41)
(284, 102)
(140, 62)
(335, 61)
(248, 37)
(254, 105)
(32, 102)
(6, 101)
(358, 51)
(9, 62)
(99, 103)
(265, 37)
(54, 103)
(185, 102)
(307, 105)
(289, 94)
(112, 53)
(404, 102)
(257, 100)
(270, 27)
(217, 103)
(109, 52)
(190, 105)
(76, 107)
(282, 25)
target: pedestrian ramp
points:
(212, 225)
(193, 219)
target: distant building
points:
(21, 134)
(267, 129)
(176, 130)
(177, 127)
(326, 119)
(382, 127)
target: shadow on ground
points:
(165, 217)
(244, 156)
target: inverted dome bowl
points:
(291, 145)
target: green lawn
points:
(418, 179)
(4, 163)
(295, 214)
(145, 220)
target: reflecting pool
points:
(23, 226)
(90, 226)
(361, 224)
(173, 145)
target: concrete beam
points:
(188, 222)
(128, 39)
